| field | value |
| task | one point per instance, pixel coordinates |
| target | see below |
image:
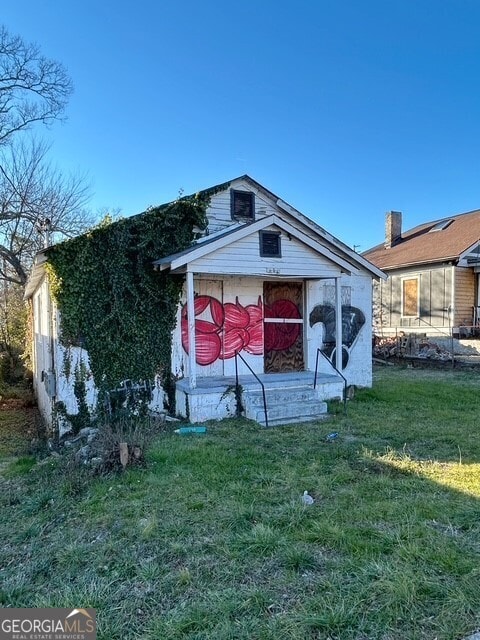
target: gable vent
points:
(242, 204)
(270, 245)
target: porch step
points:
(284, 406)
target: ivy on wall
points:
(112, 301)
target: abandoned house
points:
(271, 308)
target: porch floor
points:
(248, 381)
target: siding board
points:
(243, 257)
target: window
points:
(410, 297)
(440, 226)
(270, 244)
(242, 204)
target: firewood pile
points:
(411, 345)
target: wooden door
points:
(283, 327)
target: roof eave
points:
(418, 263)
(36, 275)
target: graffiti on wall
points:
(223, 329)
(353, 320)
(281, 336)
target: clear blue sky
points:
(345, 109)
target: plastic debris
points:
(186, 430)
(332, 436)
(307, 498)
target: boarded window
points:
(242, 204)
(270, 244)
(410, 297)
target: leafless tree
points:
(38, 205)
(32, 88)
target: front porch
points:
(290, 397)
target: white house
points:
(270, 298)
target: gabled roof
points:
(344, 249)
(200, 249)
(355, 259)
(445, 239)
(297, 224)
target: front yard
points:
(211, 540)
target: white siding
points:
(243, 257)
(42, 348)
(218, 213)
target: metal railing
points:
(320, 352)
(237, 385)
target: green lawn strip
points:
(211, 539)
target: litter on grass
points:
(307, 498)
(186, 430)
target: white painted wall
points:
(43, 348)
(358, 370)
(49, 355)
(357, 292)
(69, 361)
(218, 213)
(243, 257)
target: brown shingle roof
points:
(420, 245)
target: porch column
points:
(338, 324)
(191, 330)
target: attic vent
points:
(440, 226)
(270, 245)
(242, 204)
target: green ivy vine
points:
(112, 301)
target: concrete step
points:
(284, 405)
(280, 413)
(280, 396)
(298, 420)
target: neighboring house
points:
(263, 281)
(433, 276)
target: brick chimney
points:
(393, 228)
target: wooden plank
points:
(283, 341)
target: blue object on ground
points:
(331, 436)
(185, 430)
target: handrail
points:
(237, 386)
(319, 351)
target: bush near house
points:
(211, 539)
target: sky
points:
(343, 108)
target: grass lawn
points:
(211, 540)
(17, 429)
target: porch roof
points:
(180, 261)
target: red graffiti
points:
(223, 329)
(280, 336)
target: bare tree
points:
(32, 87)
(38, 205)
